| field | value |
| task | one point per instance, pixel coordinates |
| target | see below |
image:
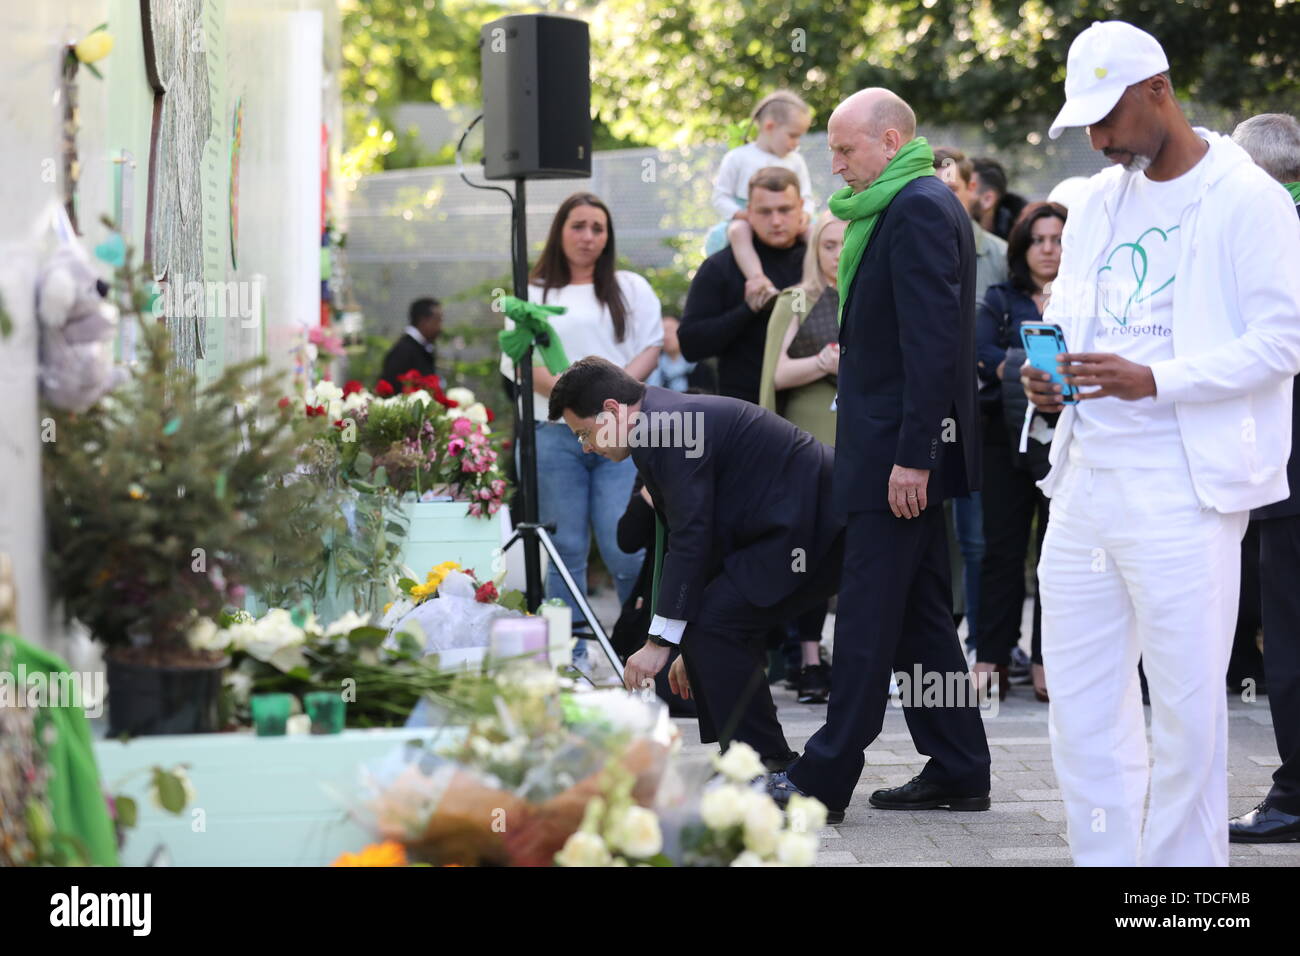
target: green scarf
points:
(863, 209)
(1294, 190)
(532, 328)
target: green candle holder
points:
(271, 713)
(326, 709)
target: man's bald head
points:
(875, 110)
(865, 132)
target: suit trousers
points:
(1132, 565)
(1011, 500)
(1279, 557)
(725, 652)
(895, 614)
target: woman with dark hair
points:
(613, 314)
(1010, 497)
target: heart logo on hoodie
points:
(1140, 265)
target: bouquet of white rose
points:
(729, 820)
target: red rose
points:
(340, 424)
(352, 387)
(491, 416)
(431, 383)
(313, 412)
(410, 376)
(486, 593)
(383, 389)
(284, 402)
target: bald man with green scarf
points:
(907, 438)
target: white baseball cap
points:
(1104, 61)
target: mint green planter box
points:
(266, 801)
(437, 531)
(443, 531)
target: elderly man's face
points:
(1130, 133)
(857, 155)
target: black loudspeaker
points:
(536, 97)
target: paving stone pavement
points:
(1026, 824)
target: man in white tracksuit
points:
(1179, 300)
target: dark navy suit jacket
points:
(755, 503)
(907, 354)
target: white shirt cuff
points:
(667, 628)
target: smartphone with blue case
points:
(1043, 342)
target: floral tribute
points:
(422, 440)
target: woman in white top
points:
(616, 315)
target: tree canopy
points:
(667, 73)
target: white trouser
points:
(1133, 567)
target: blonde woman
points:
(800, 361)
(801, 357)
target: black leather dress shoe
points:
(1264, 824)
(780, 789)
(918, 794)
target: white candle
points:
(559, 633)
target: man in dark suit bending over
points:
(906, 440)
(752, 539)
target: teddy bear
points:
(78, 329)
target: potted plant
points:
(167, 500)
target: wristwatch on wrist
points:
(658, 641)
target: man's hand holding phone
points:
(1106, 373)
(1110, 374)
(1041, 390)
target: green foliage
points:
(167, 498)
(365, 559)
(386, 685)
(672, 74)
(397, 51)
(999, 62)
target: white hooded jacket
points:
(1236, 323)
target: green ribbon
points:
(532, 329)
(1294, 190)
(862, 210)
